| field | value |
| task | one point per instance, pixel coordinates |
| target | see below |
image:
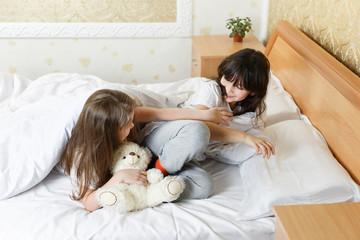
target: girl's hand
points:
(130, 176)
(261, 146)
(220, 115)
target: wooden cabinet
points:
(338, 221)
(209, 51)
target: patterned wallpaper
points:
(333, 24)
(88, 11)
(126, 60)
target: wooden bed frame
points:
(325, 90)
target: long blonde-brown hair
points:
(95, 137)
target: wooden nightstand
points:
(340, 221)
(209, 51)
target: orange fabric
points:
(158, 166)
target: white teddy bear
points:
(130, 197)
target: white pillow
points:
(279, 104)
(32, 141)
(303, 171)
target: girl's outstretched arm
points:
(224, 134)
(149, 114)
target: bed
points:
(313, 106)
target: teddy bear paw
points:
(154, 175)
(174, 186)
(119, 200)
(108, 198)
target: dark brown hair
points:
(248, 69)
(95, 137)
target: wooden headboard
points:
(324, 89)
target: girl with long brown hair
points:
(106, 120)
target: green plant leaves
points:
(238, 25)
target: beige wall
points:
(127, 60)
(333, 24)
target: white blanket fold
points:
(35, 123)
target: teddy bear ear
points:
(148, 153)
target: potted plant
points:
(239, 27)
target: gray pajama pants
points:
(177, 144)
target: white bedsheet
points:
(45, 211)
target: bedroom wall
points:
(127, 60)
(333, 24)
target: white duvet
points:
(36, 118)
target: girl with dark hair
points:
(241, 86)
(243, 78)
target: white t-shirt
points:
(73, 177)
